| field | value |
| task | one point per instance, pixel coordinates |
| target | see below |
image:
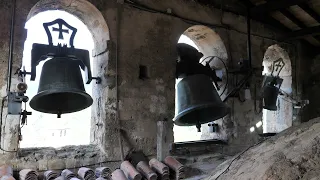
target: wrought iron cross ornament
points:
(60, 22)
(278, 65)
(60, 30)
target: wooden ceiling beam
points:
(310, 31)
(293, 18)
(310, 11)
(275, 6)
(265, 19)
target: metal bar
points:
(275, 5)
(10, 58)
(249, 38)
(198, 143)
(241, 84)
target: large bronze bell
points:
(270, 96)
(197, 101)
(61, 88)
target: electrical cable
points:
(119, 8)
(227, 169)
(227, 72)
(10, 57)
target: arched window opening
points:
(45, 130)
(277, 121)
(210, 44)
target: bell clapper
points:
(198, 126)
(59, 114)
(25, 113)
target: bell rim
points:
(270, 109)
(191, 109)
(90, 100)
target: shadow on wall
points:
(312, 88)
(208, 42)
(277, 121)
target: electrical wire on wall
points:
(119, 13)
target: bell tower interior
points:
(159, 89)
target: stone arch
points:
(99, 29)
(277, 121)
(208, 42)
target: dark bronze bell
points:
(270, 96)
(198, 102)
(61, 88)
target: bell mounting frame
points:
(41, 52)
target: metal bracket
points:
(98, 79)
(41, 52)
(15, 102)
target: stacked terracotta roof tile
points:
(50, 175)
(67, 174)
(86, 173)
(160, 168)
(59, 178)
(28, 174)
(177, 170)
(118, 175)
(103, 172)
(130, 171)
(170, 168)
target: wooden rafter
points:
(275, 6)
(310, 11)
(310, 31)
(263, 18)
(293, 18)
